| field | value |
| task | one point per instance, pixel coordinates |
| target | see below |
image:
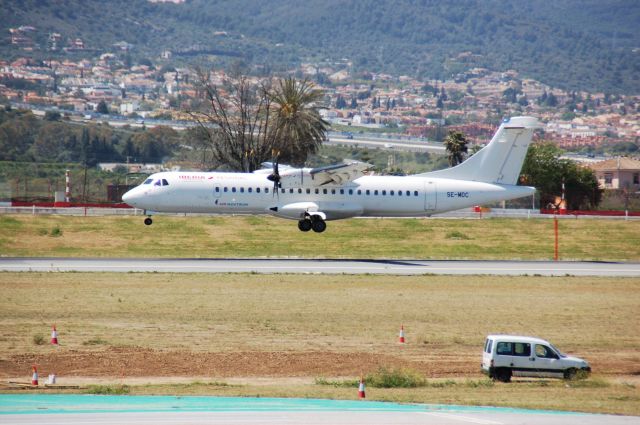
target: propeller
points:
(275, 175)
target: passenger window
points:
(341, 191)
(368, 192)
(242, 190)
(165, 182)
(257, 190)
(408, 193)
(291, 190)
(266, 190)
(148, 181)
(399, 193)
(384, 192)
(521, 349)
(249, 190)
(391, 193)
(299, 190)
(415, 193)
(324, 191)
(359, 192)
(233, 189)
(375, 192)
(333, 191)
(225, 189)
(487, 346)
(308, 191)
(283, 190)
(350, 191)
(217, 189)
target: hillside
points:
(570, 44)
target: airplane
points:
(313, 196)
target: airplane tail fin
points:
(501, 160)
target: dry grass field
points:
(248, 334)
(262, 236)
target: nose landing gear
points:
(148, 221)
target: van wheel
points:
(570, 373)
(503, 375)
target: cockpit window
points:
(148, 181)
(165, 182)
(158, 183)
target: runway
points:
(349, 266)
(83, 409)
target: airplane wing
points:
(339, 173)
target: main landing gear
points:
(314, 223)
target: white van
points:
(505, 356)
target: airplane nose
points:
(129, 198)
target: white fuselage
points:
(369, 196)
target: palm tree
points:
(456, 145)
(299, 128)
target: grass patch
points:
(95, 341)
(234, 237)
(38, 339)
(56, 232)
(395, 378)
(339, 383)
(108, 389)
(339, 316)
(457, 235)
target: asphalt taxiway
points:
(349, 266)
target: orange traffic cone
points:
(54, 336)
(401, 338)
(34, 377)
(361, 388)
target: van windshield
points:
(560, 353)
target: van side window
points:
(513, 349)
(504, 348)
(521, 349)
(487, 346)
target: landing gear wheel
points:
(318, 226)
(148, 221)
(304, 225)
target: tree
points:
(544, 169)
(102, 108)
(245, 123)
(456, 146)
(299, 128)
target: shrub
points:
(395, 378)
(108, 389)
(38, 339)
(457, 235)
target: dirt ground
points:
(132, 362)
